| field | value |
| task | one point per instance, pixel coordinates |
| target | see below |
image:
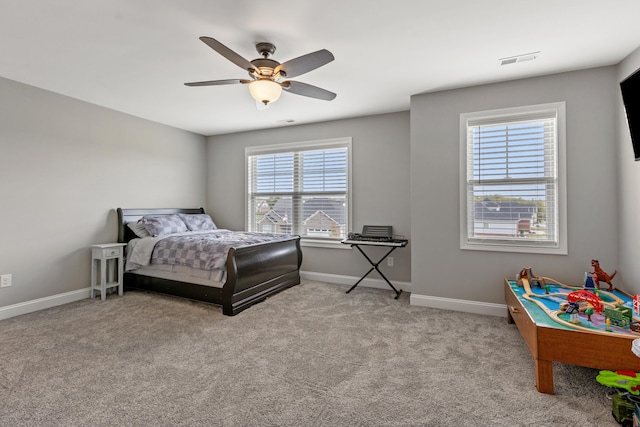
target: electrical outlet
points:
(390, 261)
(5, 281)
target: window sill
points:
(514, 248)
(323, 244)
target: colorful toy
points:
(599, 275)
(627, 384)
(527, 274)
(589, 284)
(555, 301)
(622, 409)
(589, 313)
(588, 297)
(618, 315)
(572, 311)
(626, 380)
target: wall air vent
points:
(519, 58)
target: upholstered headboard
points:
(131, 215)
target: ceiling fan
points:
(267, 75)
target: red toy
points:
(587, 296)
(600, 275)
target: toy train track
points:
(537, 299)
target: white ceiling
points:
(134, 55)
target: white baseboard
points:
(350, 280)
(42, 303)
(467, 306)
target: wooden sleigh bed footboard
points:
(253, 272)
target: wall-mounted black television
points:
(631, 97)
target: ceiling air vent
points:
(519, 58)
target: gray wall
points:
(440, 267)
(628, 187)
(65, 165)
(380, 184)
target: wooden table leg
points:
(544, 376)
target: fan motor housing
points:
(265, 65)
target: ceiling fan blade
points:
(229, 54)
(218, 82)
(305, 63)
(305, 89)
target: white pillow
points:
(198, 222)
(161, 225)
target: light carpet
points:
(308, 356)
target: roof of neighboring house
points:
(320, 214)
(334, 209)
(490, 210)
(272, 217)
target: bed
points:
(250, 273)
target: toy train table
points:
(600, 340)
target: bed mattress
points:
(214, 278)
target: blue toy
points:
(588, 281)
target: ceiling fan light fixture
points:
(266, 74)
(265, 90)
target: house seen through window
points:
(512, 177)
(300, 188)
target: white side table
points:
(102, 259)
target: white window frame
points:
(325, 144)
(467, 242)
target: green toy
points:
(627, 380)
(622, 409)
